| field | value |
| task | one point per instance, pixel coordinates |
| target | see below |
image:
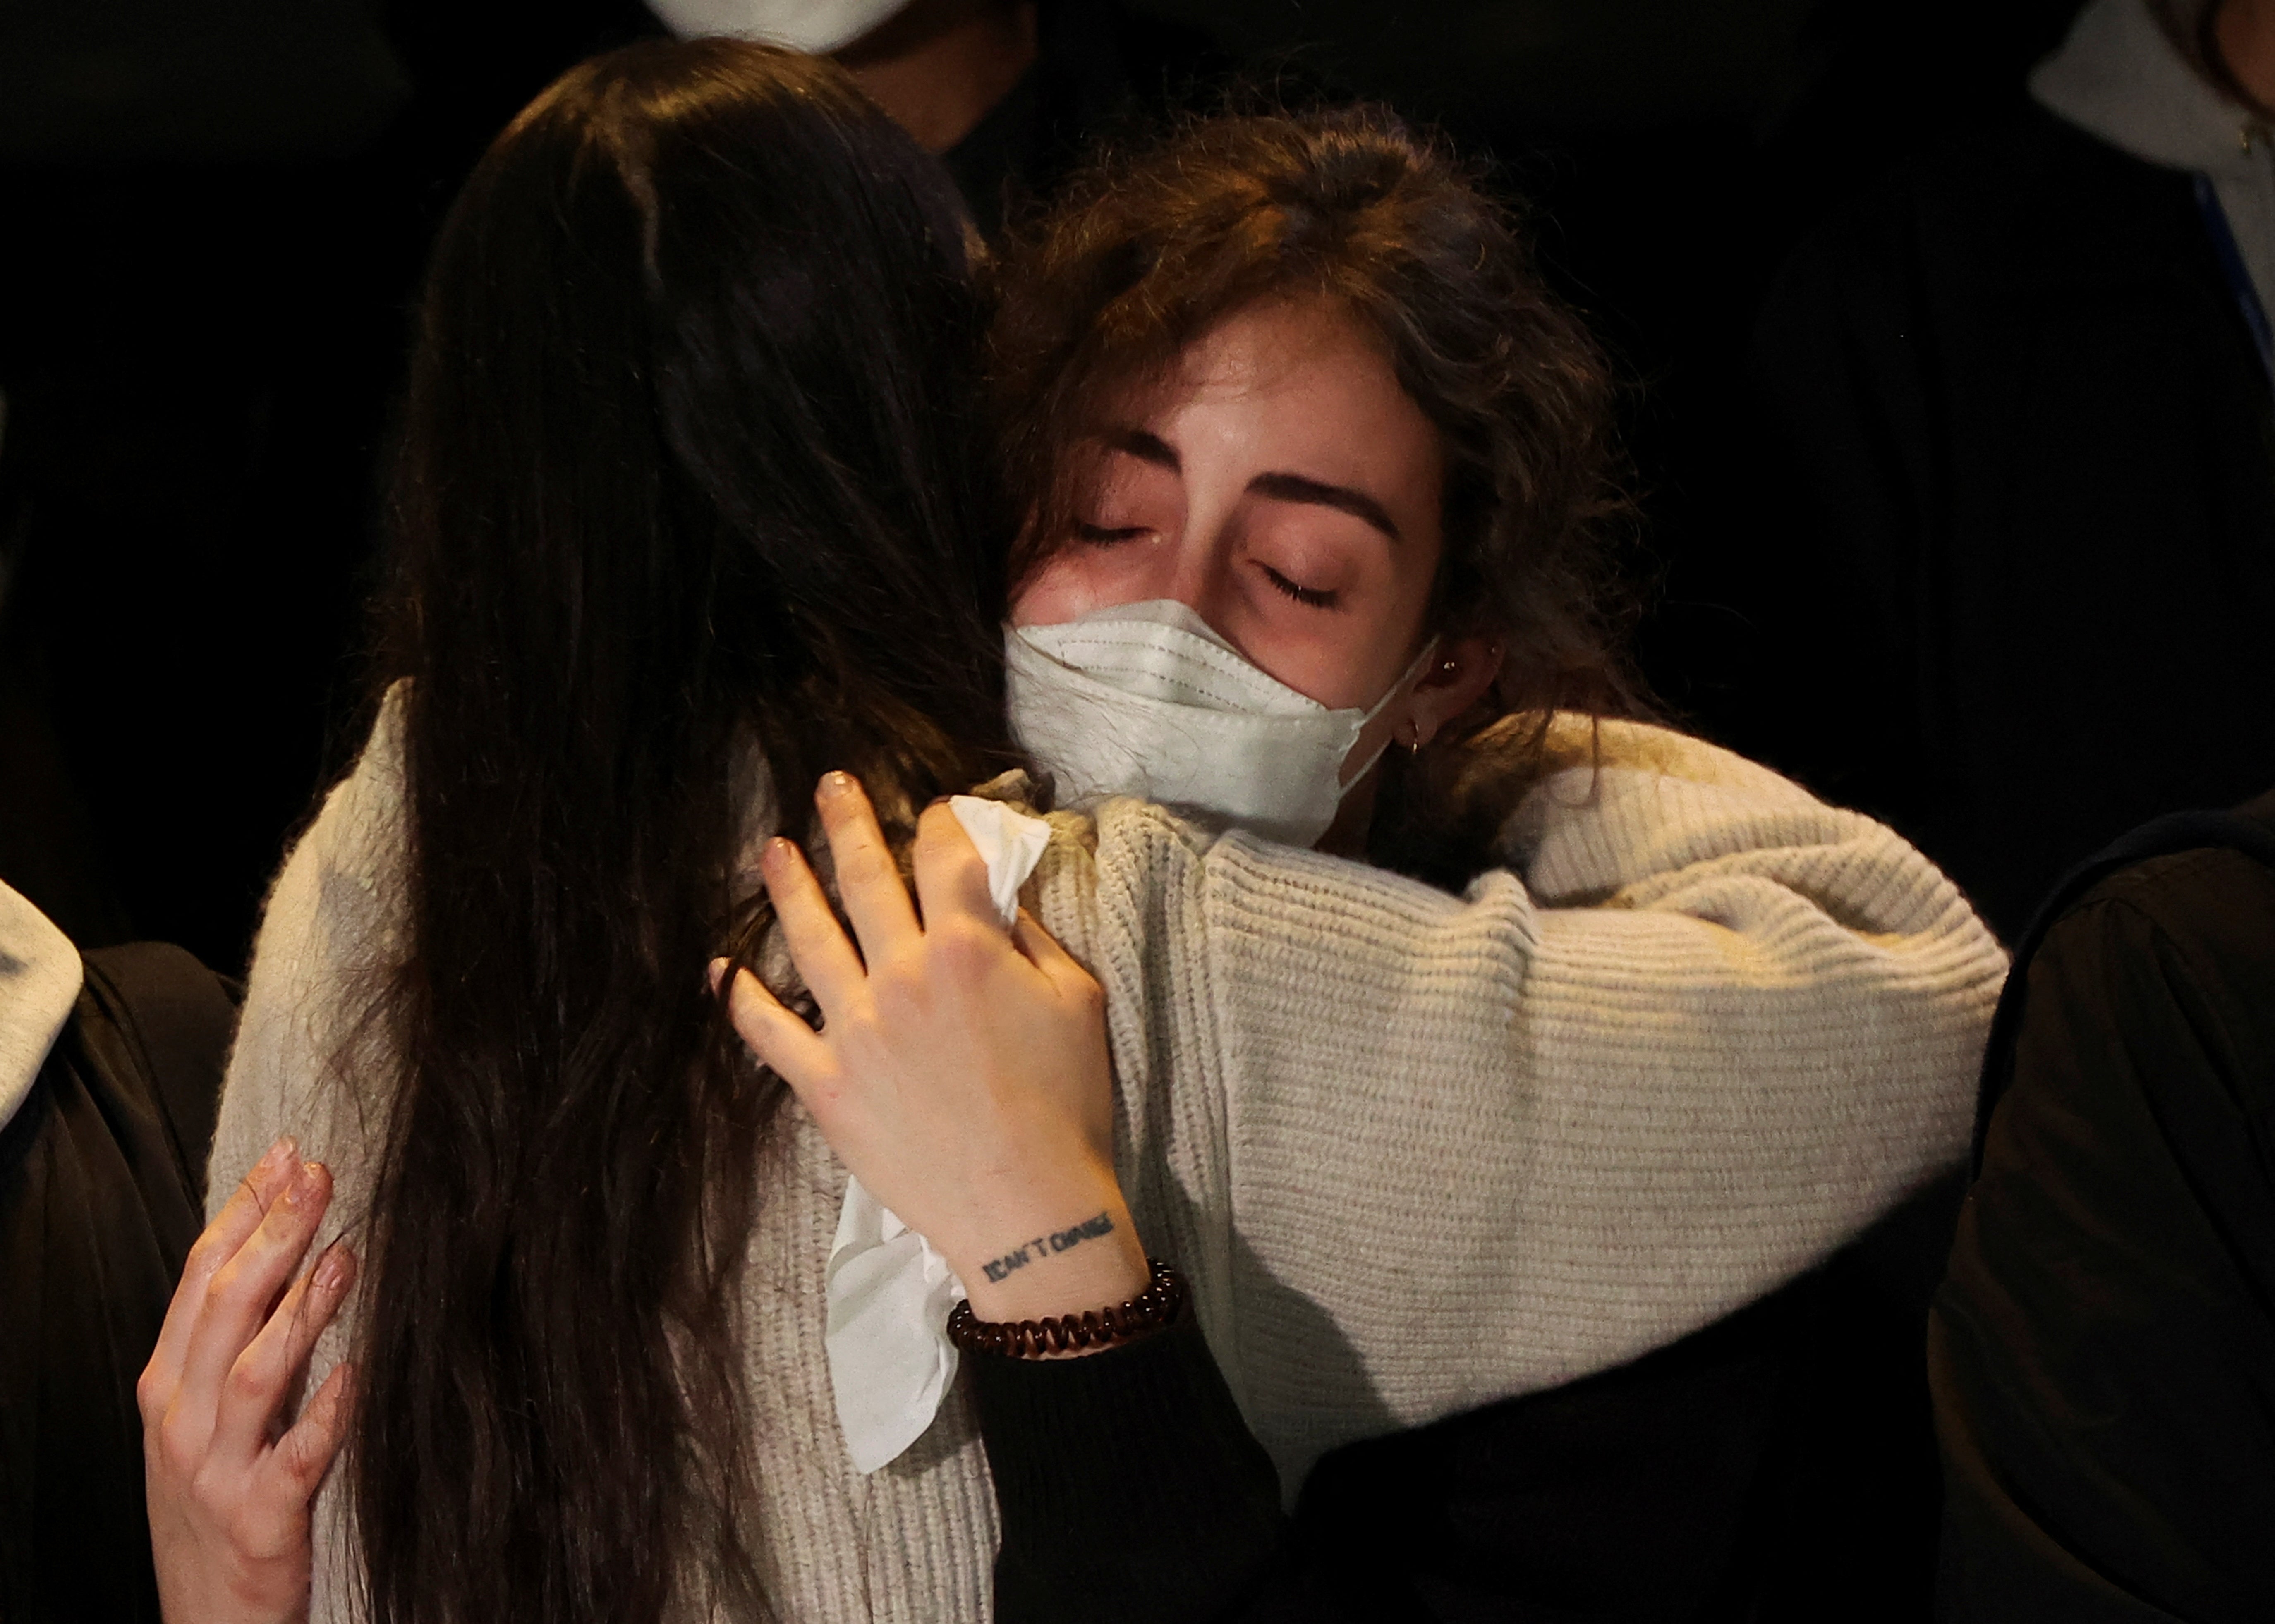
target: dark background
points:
(214, 214)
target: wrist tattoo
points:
(1044, 1245)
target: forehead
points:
(1294, 401)
(1285, 386)
(1314, 349)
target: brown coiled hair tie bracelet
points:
(1149, 1310)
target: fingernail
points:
(332, 1272)
(284, 1151)
(832, 785)
(303, 1184)
(774, 853)
(715, 972)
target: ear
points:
(1458, 675)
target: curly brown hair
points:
(1152, 247)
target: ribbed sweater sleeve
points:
(1417, 1152)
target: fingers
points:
(307, 1451)
(951, 875)
(825, 959)
(776, 1035)
(237, 1221)
(238, 1300)
(257, 1384)
(868, 882)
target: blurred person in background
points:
(2017, 500)
(110, 1063)
(2103, 1349)
(1007, 93)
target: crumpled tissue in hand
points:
(889, 1293)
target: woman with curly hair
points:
(1301, 375)
(1318, 485)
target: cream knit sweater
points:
(1415, 1152)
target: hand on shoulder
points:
(229, 1487)
(961, 1068)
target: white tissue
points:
(889, 1293)
(890, 1360)
(1010, 842)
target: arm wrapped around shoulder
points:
(1419, 1152)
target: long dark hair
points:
(686, 483)
(1157, 243)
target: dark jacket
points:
(2017, 511)
(1776, 1465)
(101, 1195)
(1101, 71)
(2103, 1349)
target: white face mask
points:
(812, 25)
(1146, 699)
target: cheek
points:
(1346, 656)
(1346, 661)
(1085, 576)
(1080, 580)
(1316, 663)
(1054, 594)
(1363, 653)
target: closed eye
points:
(1099, 535)
(1317, 598)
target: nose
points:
(1201, 577)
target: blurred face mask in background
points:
(811, 25)
(1145, 699)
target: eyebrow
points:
(1296, 488)
(1145, 446)
(1280, 486)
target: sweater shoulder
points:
(1587, 813)
(329, 932)
(1625, 810)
